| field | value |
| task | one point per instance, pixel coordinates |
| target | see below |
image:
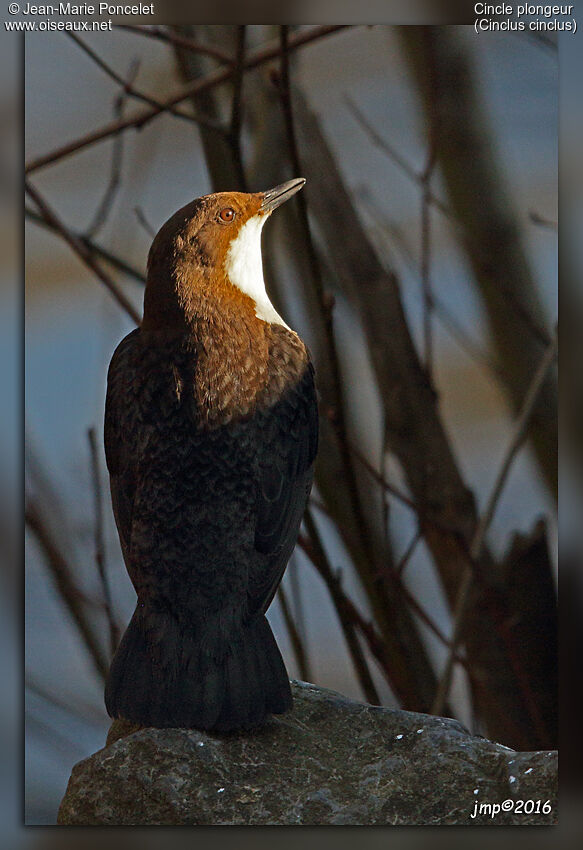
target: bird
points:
(211, 433)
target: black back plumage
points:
(207, 519)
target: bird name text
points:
(502, 17)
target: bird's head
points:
(211, 250)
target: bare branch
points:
(297, 643)
(541, 221)
(518, 437)
(380, 479)
(70, 707)
(81, 249)
(129, 90)
(215, 78)
(178, 41)
(519, 308)
(417, 435)
(350, 617)
(344, 608)
(116, 161)
(115, 261)
(62, 574)
(425, 179)
(443, 313)
(141, 217)
(394, 154)
(456, 330)
(48, 732)
(491, 234)
(543, 40)
(432, 625)
(114, 630)
(408, 553)
(428, 301)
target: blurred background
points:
(420, 265)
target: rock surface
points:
(330, 761)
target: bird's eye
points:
(227, 215)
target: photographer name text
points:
(76, 9)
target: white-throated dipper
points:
(211, 431)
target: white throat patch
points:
(244, 267)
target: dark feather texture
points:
(208, 512)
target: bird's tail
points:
(164, 676)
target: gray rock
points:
(330, 761)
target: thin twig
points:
(115, 261)
(428, 303)
(460, 609)
(387, 230)
(518, 437)
(178, 41)
(114, 630)
(81, 249)
(384, 450)
(408, 553)
(543, 40)
(541, 221)
(319, 504)
(476, 546)
(456, 330)
(425, 271)
(141, 217)
(297, 604)
(129, 90)
(398, 494)
(318, 557)
(297, 643)
(49, 733)
(351, 618)
(519, 309)
(62, 574)
(475, 680)
(116, 162)
(432, 625)
(72, 708)
(423, 517)
(386, 147)
(195, 87)
(380, 479)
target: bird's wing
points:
(121, 435)
(290, 442)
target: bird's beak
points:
(273, 198)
